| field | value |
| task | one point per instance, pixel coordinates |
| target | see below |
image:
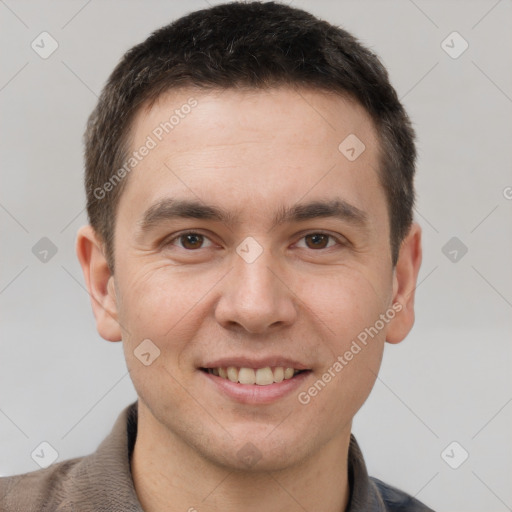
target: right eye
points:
(189, 240)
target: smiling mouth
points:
(254, 376)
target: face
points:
(250, 246)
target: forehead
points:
(259, 147)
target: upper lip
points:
(252, 362)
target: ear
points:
(99, 282)
(405, 276)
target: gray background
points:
(449, 381)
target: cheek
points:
(162, 303)
(349, 306)
(346, 301)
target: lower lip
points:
(254, 394)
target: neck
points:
(171, 475)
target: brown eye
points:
(317, 241)
(190, 241)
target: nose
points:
(255, 296)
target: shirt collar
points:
(103, 480)
(364, 494)
(108, 472)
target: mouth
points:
(255, 376)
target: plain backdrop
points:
(449, 381)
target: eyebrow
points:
(168, 209)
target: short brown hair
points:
(254, 45)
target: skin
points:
(251, 153)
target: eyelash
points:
(338, 241)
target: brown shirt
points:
(102, 481)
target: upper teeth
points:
(259, 376)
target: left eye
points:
(318, 241)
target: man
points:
(249, 177)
